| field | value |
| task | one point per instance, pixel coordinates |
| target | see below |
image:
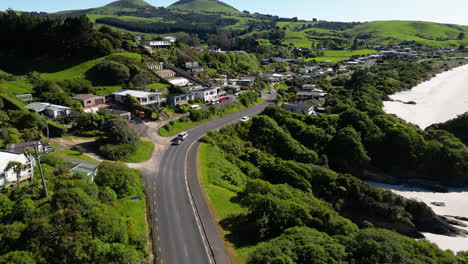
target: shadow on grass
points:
(242, 230)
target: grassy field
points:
(157, 86)
(133, 212)
(73, 154)
(143, 153)
(79, 71)
(335, 56)
(17, 86)
(178, 126)
(213, 167)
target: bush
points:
(248, 98)
(106, 194)
(111, 72)
(119, 177)
(56, 129)
(117, 152)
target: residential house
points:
(89, 169)
(165, 74)
(10, 176)
(308, 86)
(180, 99)
(246, 81)
(91, 103)
(265, 62)
(304, 109)
(145, 98)
(26, 98)
(207, 94)
(23, 146)
(154, 66)
(232, 89)
(156, 43)
(178, 81)
(312, 94)
(55, 112)
(308, 69)
(194, 67)
(170, 39)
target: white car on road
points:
(245, 119)
(182, 135)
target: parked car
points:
(48, 149)
(182, 135)
(245, 119)
(195, 107)
(176, 141)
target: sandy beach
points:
(442, 98)
(456, 204)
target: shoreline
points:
(455, 200)
(438, 100)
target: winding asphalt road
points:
(182, 224)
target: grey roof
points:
(39, 107)
(25, 96)
(84, 97)
(86, 168)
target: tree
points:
(119, 132)
(461, 36)
(112, 72)
(17, 257)
(17, 167)
(105, 47)
(346, 152)
(118, 177)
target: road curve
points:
(186, 232)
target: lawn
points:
(73, 154)
(18, 86)
(133, 212)
(157, 86)
(142, 154)
(178, 125)
(79, 71)
(335, 56)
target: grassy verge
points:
(179, 125)
(143, 152)
(219, 193)
(73, 154)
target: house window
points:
(2, 175)
(88, 102)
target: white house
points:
(178, 81)
(156, 43)
(207, 94)
(299, 108)
(55, 112)
(170, 39)
(8, 177)
(145, 98)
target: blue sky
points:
(445, 11)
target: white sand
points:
(442, 98)
(456, 204)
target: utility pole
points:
(38, 159)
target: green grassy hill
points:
(203, 6)
(432, 34)
(426, 33)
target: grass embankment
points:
(142, 154)
(73, 154)
(17, 86)
(215, 171)
(179, 125)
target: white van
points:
(195, 107)
(182, 135)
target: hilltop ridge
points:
(203, 6)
